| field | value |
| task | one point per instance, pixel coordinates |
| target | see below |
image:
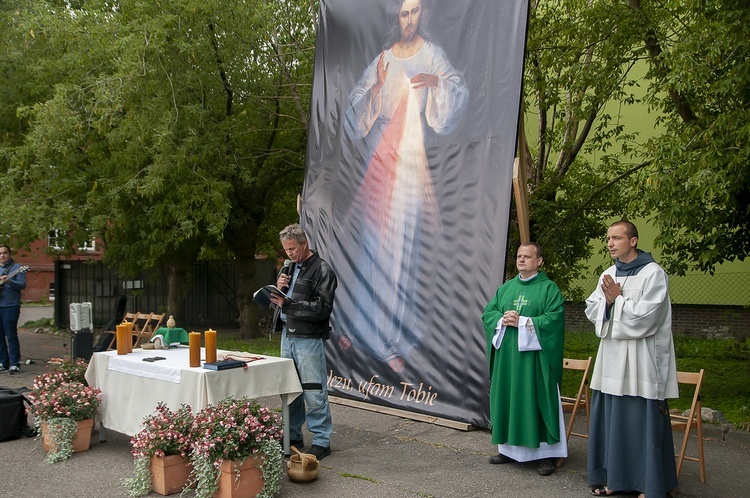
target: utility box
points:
(80, 317)
(81, 331)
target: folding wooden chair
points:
(694, 419)
(128, 317)
(150, 326)
(144, 327)
(581, 399)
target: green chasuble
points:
(524, 398)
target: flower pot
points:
(247, 483)
(81, 440)
(170, 474)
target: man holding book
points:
(303, 317)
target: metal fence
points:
(728, 289)
(211, 297)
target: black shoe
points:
(299, 444)
(546, 467)
(319, 452)
(500, 459)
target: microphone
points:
(287, 269)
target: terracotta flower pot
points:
(249, 482)
(81, 440)
(170, 474)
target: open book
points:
(263, 295)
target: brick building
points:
(41, 257)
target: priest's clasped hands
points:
(510, 318)
(610, 288)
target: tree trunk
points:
(177, 272)
(242, 243)
(248, 321)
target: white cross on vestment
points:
(520, 302)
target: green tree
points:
(697, 190)
(173, 129)
(169, 130)
(580, 56)
(584, 65)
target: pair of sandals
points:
(604, 491)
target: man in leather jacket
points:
(310, 284)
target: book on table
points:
(224, 364)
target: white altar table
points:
(131, 388)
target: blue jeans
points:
(9, 328)
(310, 361)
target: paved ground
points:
(374, 455)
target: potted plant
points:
(68, 369)
(228, 438)
(65, 414)
(73, 368)
(161, 450)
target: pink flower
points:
(164, 433)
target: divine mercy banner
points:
(414, 118)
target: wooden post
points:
(522, 206)
(520, 186)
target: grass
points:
(726, 384)
(41, 323)
(261, 345)
(357, 476)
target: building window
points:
(55, 241)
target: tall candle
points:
(210, 346)
(194, 343)
(123, 338)
(129, 342)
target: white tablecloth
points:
(131, 388)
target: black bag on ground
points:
(13, 420)
(107, 332)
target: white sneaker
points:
(15, 369)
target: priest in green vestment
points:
(525, 329)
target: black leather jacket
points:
(313, 296)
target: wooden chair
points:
(693, 419)
(581, 399)
(144, 326)
(155, 323)
(130, 317)
(127, 317)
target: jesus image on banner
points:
(409, 89)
